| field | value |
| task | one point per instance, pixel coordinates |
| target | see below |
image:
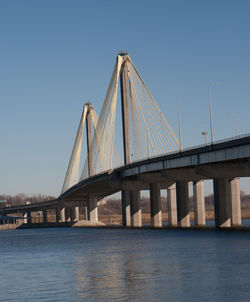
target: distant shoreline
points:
(107, 220)
(117, 218)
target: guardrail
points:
(233, 138)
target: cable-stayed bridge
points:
(152, 159)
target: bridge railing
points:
(232, 138)
(229, 139)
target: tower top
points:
(89, 105)
(122, 53)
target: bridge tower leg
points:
(222, 202)
(172, 206)
(155, 205)
(136, 219)
(92, 202)
(235, 202)
(183, 210)
(126, 220)
(199, 203)
(89, 138)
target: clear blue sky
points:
(56, 55)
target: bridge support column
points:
(183, 210)
(172, 207)
(29, 217)
(222, 201)
(68, 215)
(155, 205)
(86, 213)
(75, 214)
(57, 214)
(235, 202)
(136, 219)
(126, 219)
(45, 216)
(199, 203)
(92, 209)
(25, 215)
(71, 213)
(62, 214)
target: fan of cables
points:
(151, 133)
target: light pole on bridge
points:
(210, 109)
(179, 122)
(205, 133)
(236, 124)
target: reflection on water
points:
(124, 265)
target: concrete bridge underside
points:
(223, 162)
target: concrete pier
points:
(183, 209)
(57, 214)
(25, 220)
(172, 206)
(86, 213)
(126, 219)
(68, 215)
(155, 205)
(92, 209)
(45, 216)
(72, 213)
(62, 214)
(235, 202)
(222, 202)
(135, 206)
(199, 203)
(29, 217)
(75, 214)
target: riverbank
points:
(113, 220)
(12, 226)
(146, 219)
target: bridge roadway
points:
(223, 162)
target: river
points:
(89, 264)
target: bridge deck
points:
(234, 151)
